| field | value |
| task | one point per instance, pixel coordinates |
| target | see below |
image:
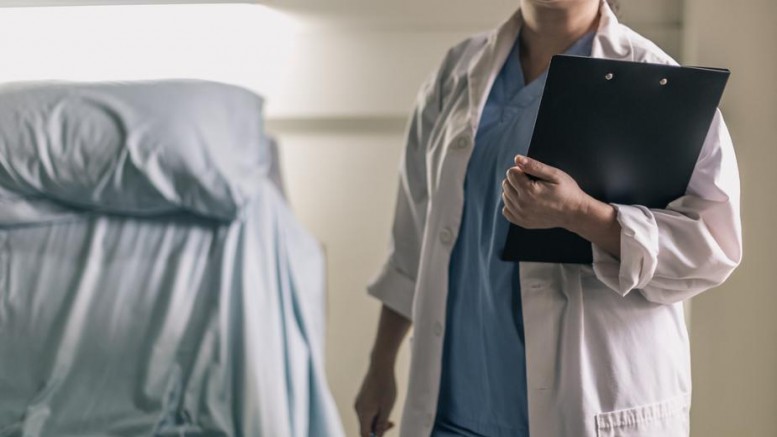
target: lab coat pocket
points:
(665, 419)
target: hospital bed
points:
(153, 280)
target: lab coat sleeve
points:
(395, 284)
(692, 245)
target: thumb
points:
(382, 423)
(537, 169)
(367, 421)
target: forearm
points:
(597, 222)
(392, 330)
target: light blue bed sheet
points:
(169, 326)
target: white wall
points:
(339, 184)
(734, 328)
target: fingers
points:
(522, 187)
(366, 420)
(517, 179)
(382, 423)
(511, 200)
(537, 169)
(510, 195)
(511, 216)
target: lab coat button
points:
(438, 329)
(461, 143)
(446, 236)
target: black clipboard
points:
(627, 132)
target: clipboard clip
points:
(663, 82)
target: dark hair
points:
(615, 5)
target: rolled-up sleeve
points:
(395, 284)
(692, 245)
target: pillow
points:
(142, 148)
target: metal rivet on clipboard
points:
(609, 76)
(663, 82)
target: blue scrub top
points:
(483, 380)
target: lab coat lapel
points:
(485, 66)
(611, 42)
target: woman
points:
(509, 349)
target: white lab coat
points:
(606, 344)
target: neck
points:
(550, 28)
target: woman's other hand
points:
(376, 400)
(379, 390)
(550, 198)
